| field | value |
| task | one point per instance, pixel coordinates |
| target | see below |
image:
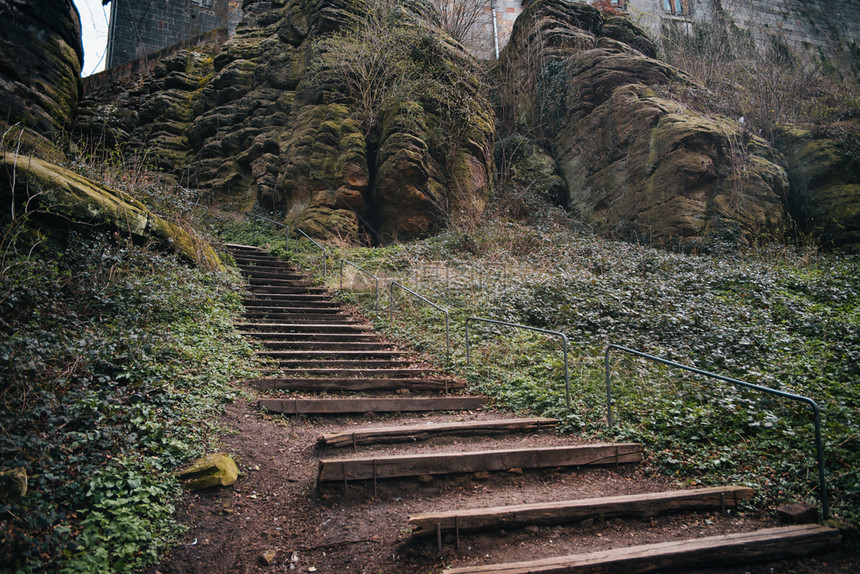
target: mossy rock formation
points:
(50, 196)
(636, 162)
(270, 118)
(824, 172)
(40, 67)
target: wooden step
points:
(293, 297)
(302, 327)
(287, 290)
(321, 354)
(401, 466)
(267, 307)
(299, 318)
(301, 283)
(289, 302)
(729, 549)
(327, 345)
(354, 385)
(544, 514)
(242, 247)
(415, 433)
(357, 371)
(279, 273)
(371, 405)
(283, 337)
(315, 366)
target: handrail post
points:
(566, 374)
(608, 387)
(468, 362)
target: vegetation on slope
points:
(787, 318)
(113, 360)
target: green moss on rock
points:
(57, 196)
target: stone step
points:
(329, 385)
(410, 465)
(566, 511)
(724, 550)
(370, 405)
(422, 432)
(253, 272)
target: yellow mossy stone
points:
(218, 469)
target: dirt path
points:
(276, 518)
(275, 507)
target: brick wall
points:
(140, 27)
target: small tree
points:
(459, 17)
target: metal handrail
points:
(324, 250)
(279, 224)
(366, 272)
(426, 300)
(527, 327)
(822, 486)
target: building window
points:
(676, 7)
(202, 3)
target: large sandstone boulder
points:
(275, 120)
(40, 67)
(55, 196)
(637, 163)
(824, 172)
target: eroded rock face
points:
(824, 171)
(636, 162)
(40, 67)
(271, 123)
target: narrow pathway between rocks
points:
(341, 401)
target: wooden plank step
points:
(369, 372)
(301, 318)
(354, 385)
(321, 354)
(277, 336)
(257, 273)
(371, 405)
(295, 298)
(279, 282)
(302, 327)
(279, 302)
(327, 345)
(544, 514)
(254, 260)
(287, 290)
(406, 465)
(415, 433)
(298, 306)
(728, 549)
(306, 365)
(242, 247)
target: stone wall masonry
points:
(140, 27)
(110, 78)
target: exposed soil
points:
(276, 507)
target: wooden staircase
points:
(325, 361)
